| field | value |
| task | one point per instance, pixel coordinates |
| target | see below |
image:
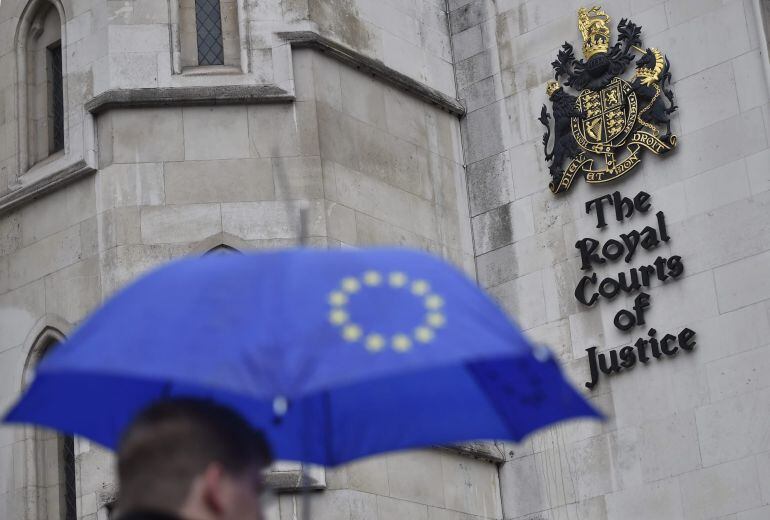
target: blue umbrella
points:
(335, 354)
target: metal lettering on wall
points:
(611, 121)
(590, 289)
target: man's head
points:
(194, 458)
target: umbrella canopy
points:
(334, 354)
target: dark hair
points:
(173, 441)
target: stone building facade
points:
(395, 122)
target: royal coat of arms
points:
(605, 129)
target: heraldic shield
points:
(605, 129)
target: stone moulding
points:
(313, 40)
(488, 451)
(187, 96)
(21, 196)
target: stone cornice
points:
(313, 40)
(21, 196)
(187, 96)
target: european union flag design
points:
(334, 354)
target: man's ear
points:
(213, 492)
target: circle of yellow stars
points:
(374, 342)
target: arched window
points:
(42, 109)
(52, 482)
(209, 33)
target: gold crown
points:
(551, 87)
(594, 27)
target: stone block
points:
(298, 177)
(57, 211)
(138, 38)
(751, 86)
(74, 291)
(180, 224)
(341, 221)
(482, 93)
(503, 225)
(720, 490)
(522, 486)
(731, 333)
(283, 130)
(220, 132)
(137, 12)
(718, 187)
(657, 500)
(122, 185)
(707, 149)
(332, 124)
(490, 183)
(326, 77)
(122, 264)
(533, 179)
(404, 57)
(523, 299)
(371, 231)
(392, 160)
(131, 70)
(45, 256)
(474, 69)
(234, 180)
(416, 476)
(369, 475)
(386, 202)
(743, 282)
(146, 135)
(670, 447)
(467, 43)
(590, 463)
(269, 220)
(471, 486)
(363, 97)
(405, 117)
(707, 97)
(467, 16)
(763, 467)
(739, 374)
(395, 509)
(19, 311)
(734, 428)
(759, 173)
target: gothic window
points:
(53, 485)
(41, 70)
(209, 33)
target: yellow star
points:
(350, 285)
(420, 287)
(397, 279)
(374, 342)
(372, 278)
(351, 332)
(424, 334)
(338, 317)
(338, 298)
(434, 302)
(436, 319)
(401, 342)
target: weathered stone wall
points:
(684, 437)
(372, 163)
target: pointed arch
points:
(42, 102)
(50, 485)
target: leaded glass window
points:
(55, 99)
(208, 24)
